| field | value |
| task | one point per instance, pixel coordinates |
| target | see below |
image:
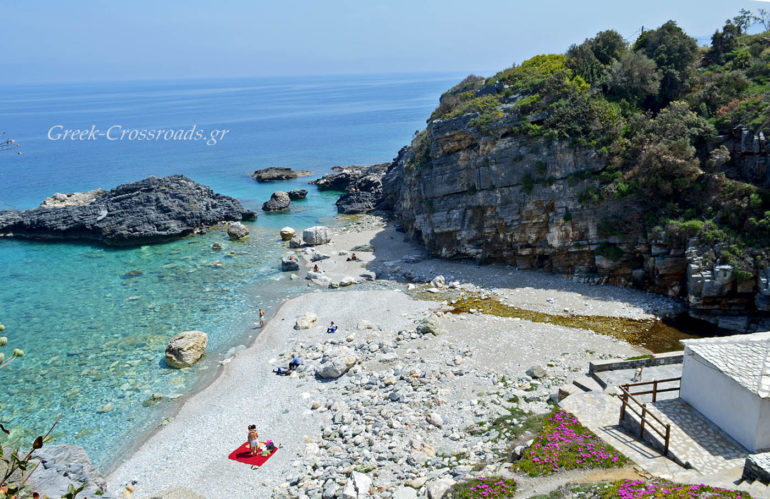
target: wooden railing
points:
(647, 419)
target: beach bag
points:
(269, 446)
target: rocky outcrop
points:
(341, 179)
(279, 201)
(499, 196)
(153, 210)
(298, 194)
(276, 173)
(62, 466)
(186, 348)
(364, 193)
(60, 200)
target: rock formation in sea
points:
(279, 201)
(276, 173)
(152, 210)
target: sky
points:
(98, 40)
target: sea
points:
(94, 321)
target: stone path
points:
(705, 446)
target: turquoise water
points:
(93, 333)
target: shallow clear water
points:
(94, 334)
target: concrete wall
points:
(723, 401)
(763, 427)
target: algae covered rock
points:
(186, 348)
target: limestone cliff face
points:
(495, 196)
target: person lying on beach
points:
(253, 439)
(332, 328)
(353, 258)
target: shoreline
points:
(194, 406)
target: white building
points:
(728, 381)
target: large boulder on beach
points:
(287, 233)
(316, 235)
(336, 362)
(306, 321)
(275, 173)
(279, 201)
(237, 230)
(153, 210)
(186, 348)
(298, 194)
(430, 325)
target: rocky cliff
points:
(504, 197)
(152, 210)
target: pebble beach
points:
(406, 379)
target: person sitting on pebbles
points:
(253, 439)
(295, 362)
(332, 328)
(315, 268)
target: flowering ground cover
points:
(565, 444)
(484, 488)
(633, 489)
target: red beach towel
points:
(243, 455)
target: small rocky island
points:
(275, 173)
(153, 210)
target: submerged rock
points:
(153, 210)
(278, 173)
(279, 201)
(297, 194)
(186, 348)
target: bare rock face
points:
(279, 201)
(365, 193)
(237, 230)
(153, 210)
(186, 348)
(62, 465)
(63, 200)
(520, 200)
(276, 173)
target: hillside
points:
(645, 164)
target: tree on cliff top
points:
(675, 54)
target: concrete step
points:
(587, 384)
